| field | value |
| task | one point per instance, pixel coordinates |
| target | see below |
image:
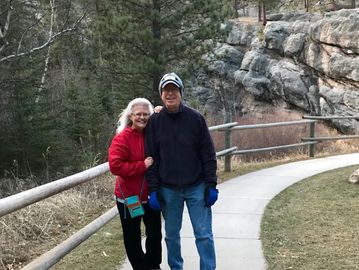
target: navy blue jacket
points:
(182, 149)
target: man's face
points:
(171, 97)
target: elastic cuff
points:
(211, 184)
(153, 189)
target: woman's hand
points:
(148, 162)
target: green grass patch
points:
(314, 224)
(103, 250)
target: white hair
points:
(124, 119)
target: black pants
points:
(132, 237)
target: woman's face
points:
(139, 117)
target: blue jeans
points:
(201, 219)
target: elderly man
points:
(184, 171)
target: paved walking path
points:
(238, 212)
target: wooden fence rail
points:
(231, 127)
(48, 259)
(25, 198)
(320, 139)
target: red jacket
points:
(126, 159)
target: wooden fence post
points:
(227, 158)
(312, 135)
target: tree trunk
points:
(235, 8)
(353, 4)
(4, 30)
(47, 59)
(156, 32)
(259, 10)
(264, 13)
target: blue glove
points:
(210, 196)
(154, 202)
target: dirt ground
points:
(246, 20)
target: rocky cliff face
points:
(298, 61)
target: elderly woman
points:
(127, 161)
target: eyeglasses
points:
(138, 115)
(171, 89)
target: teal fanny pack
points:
(133, 203)
(134, 206)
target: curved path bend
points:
(237, 214)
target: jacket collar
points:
(135, 132)
(180, 109)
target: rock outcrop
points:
(354, 177)
(300, 61)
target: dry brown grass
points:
(29, 232)
(266, 137)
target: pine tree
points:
(63, 99)
(140, 40)
(30, 102)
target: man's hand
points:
(154, 201)
(210, 195)
(157, 109)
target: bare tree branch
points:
(50, 40)
(24, 33)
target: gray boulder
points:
(354, 177)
